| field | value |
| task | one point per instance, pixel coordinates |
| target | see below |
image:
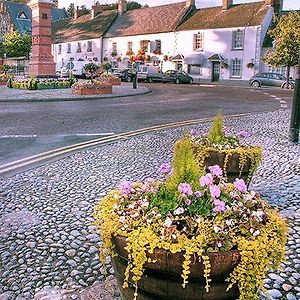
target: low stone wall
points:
(100, 89)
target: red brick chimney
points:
(122, 6)
(96, 10)
(189, 3)
(277, 4)
(76, 12)
(41, 60)
(226, 4)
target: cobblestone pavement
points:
(48, 247)
(6, 94)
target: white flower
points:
(256, 233)
(258, 215)
(168, 222)
(115, 206)
(145, 204)
(131, 206)
(217, 229)
(122, 219)
(229, 222)
(178, 211)
(219, 244)
(135, 215)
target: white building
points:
(214, 44)
(79, 40)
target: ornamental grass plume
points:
(196, 215)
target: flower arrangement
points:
(157, 51)
(114, 53)
(224, 65)
(250, 65)
(140, 55)
(91, 70)
(33, 83)
(231, 152)
(193, 215)
(129, 53)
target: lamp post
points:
(295, 116)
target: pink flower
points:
(216, 170)
(188, 202)
(243, 134)
(185, 188)
(214, 191)
(198, 194)
(219, 205)
(206, 180)
(125, 188)
(165, 168)
(240, 185)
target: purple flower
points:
(194, 132)
(219, 205)
(165, 168)
(206, 180)
(214, 191)
(243, 134)
(185, 188)
(188, 202)
(240, 185)
(125, 188)
(216, 170)
(198, 194)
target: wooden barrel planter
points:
(233, 170)
(162, 279)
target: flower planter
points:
(231, 164)
(99, 89)
(110, 80)
(3, 82)
(162, 279)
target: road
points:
(31, 128)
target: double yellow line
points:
(31, 161)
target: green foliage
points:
(71, 10)
(216, 133)
(16, 44)
(91, 70)
(185, 167)
(286, 35)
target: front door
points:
(215, 71)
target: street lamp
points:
(295, 116)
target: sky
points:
(287, 4)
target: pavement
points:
(48, 243)
(20, 95)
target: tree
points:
(71, 10)
(84, 10)
(286, 35)
(133, 5)
(16, 44)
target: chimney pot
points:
(190, 3)
(226, 4)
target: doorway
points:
(215, 71)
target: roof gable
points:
(83, 28)
(239, 15)
(148, 20)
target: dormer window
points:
(22, 16)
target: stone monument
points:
(41, 61)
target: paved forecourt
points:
(48, 246)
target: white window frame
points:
(238, 37)
(114, 47)
(69, 48)
(59, 49)
(79, 47)
(129, 46)
(89, 47)
(281, 70)
(198, 41)
(236, 66)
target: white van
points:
(149, 73)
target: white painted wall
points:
(87, 57)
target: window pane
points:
(236, 68)
(238, 39)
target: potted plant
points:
(236, 156)
(189, 237)
(250, 65)
(224, 65)
(3, 79)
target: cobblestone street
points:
(48, 246)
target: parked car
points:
(177, 77)
(124, 74)
(271, 79)
(149, 73)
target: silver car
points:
(271, 79)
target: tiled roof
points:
(83, 28)
(148, 20)
(24, 25)
(240, 15)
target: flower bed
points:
(91, 88)
(187, 219)
(106, 78)
(40, 83)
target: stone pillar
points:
(41, 60)
(122, 6)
